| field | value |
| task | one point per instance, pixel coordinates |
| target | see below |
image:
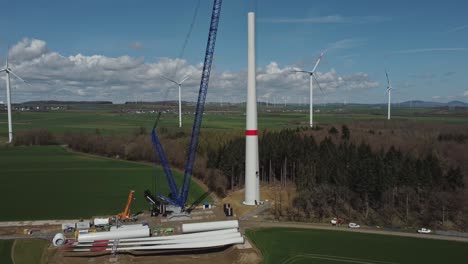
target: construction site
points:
(195, 213)
(171, 226)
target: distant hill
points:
(418, 103)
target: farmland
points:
(109, 121)
(291, 245)
(5, 251)
(52, 183)
(25, 251)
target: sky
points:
(119, 50)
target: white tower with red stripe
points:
(252, 181)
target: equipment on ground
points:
(424, 231)
(177, 200)
(125, 215)
(155, 204)
(58, 240)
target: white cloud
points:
(465, 94)
(53, 76)
(27, 49)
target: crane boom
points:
(177, 198)
(126, 213)
(210, 47)
(165, 164)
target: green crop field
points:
(113, 122)
(51, 183)
(291, 245)
(5, 251)
(29, 251)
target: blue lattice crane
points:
(180, 198)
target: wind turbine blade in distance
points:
(183, 80)
(388, 79)
(7, 55)
(169, 80)
(294, 71)
(18, 77)
(313, 75)
(318, 60)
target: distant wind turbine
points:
(180, 99)
(389, 92)
(311, 77)
(8, 71)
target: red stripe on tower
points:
(251, 132)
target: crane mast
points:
(180, 199)
(210, 47)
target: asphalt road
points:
(267, 224)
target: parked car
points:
(424, 231)
(353, 225)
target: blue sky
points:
(423, 44)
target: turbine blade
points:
(318, 60)
(17, 76)
(169, 79)
(183, 80)
(388, 79)
(313, 75)
(8, 54)
(294, 71)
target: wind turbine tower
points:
(311, 83)
(8, 71)
(179, 84)
(389, 92)
(252, 180)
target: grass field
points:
(29, 251)
(290, 245)
(5, 251)
(111, 122)
(51, 183)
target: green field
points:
(51, 183)
(25, 251)
(5, 251)
(29, 251)
(113, 122)
(290, 245)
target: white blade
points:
(8, 54)
(183, 80)
(388, 79)
(294, 71)
(313, 75)
(169, 80)
(318, 60)
(17, 76)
